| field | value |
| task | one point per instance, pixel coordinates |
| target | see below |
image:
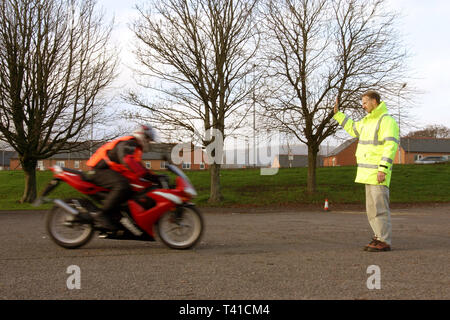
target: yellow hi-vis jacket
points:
(378, 136)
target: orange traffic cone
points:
(325, 207)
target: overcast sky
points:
(425, 25)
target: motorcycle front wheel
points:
(66, 230)
(182, 229)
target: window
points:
(202, 166)
(76, 164)
(148, 165)
(61, 163)
(40, 165)
(163, 165)
(418, 157)
(186, 166)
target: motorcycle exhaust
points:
(66, 207)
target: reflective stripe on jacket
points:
(378, 136)
(102, 154)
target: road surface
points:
(281, 255)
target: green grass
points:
(410, 184)
(12, 186)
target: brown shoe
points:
(373, 242)
(379, 246)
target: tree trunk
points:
(29, 194)
(216, 193)
(312, 164)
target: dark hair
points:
(372, 95)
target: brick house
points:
(411, 149)
(294, 161)
(152, 160)
(72, 160)
(5, 159)
(188, 157)
(343, 155)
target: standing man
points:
(378, 136)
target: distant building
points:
(189, 157)
(411, 149)
(153, 160)
(5, 159)
(294, 161)
(275, 156)
(343, 155)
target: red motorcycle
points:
(178, 223)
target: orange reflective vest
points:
(102, 154)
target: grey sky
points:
(425, 25)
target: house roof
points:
(157, 153)
(297, 160)
(293, 149)
(425, 145)
(154, 155)
(342, 147)
(430, 145)
(85, 154)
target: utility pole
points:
(92, 133)
(255, 155)
(399, 123)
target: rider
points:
(113, 162)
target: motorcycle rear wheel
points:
(181, 231)
(65, 229)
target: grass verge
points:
(246, 187)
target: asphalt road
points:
(265, 255)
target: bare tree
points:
(431, 131)
(54, 66)
(321, 50)
(197, 59)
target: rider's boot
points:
(102, 221)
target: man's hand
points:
(381, 176)
(336, 106)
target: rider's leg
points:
(120, 191)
